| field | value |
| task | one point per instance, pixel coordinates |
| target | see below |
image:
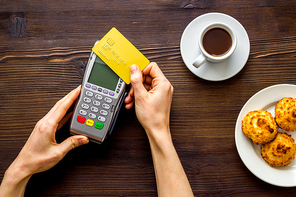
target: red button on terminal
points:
(81, 119)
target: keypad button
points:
(85, 106)
(108, 100)
(104, 112)
(94, 109)
(80, 119)
(87, 85)
(100, 89)
(96, 103)
(99, 125)
(90, 122)
(98, 96)
(89, 93)
(91, 115)
(105, 91)
(82, 112)
(106, 106)
(94, 87)
(111, 93)
(86, 99)
(101, 119)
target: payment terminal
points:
(101, 97)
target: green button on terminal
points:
(99, 125)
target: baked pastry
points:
(260, 126)
(279, 152)
(285, 114)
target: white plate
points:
(214, 71)
(250, 153)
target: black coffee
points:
(217, 41)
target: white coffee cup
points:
(213, 39)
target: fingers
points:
(137, 81)
(143, 82)
(65, 120)
(153, 71)
(129, 99)
(72, 142)
(60, 109)
(130, 104)
(147, 80)
(130, 96)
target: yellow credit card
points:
(119, 54)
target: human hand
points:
(41, 151)
(151, 93)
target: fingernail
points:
(74, 90)
(83, 140)
(133, 69)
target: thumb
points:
(137, 80)
(73, 142)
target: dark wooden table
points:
(44, 46)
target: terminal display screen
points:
(103, 76)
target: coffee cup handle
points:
(200, 60)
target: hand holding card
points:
(119, 54)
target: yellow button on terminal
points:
(89, 122)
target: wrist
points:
(18, 169)
(159, 138)
(14, 181)
(17, 174)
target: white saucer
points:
(214, 71)
(250, 153)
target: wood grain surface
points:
(44, 46)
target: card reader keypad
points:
(94, 109)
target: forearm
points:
(171, 179)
